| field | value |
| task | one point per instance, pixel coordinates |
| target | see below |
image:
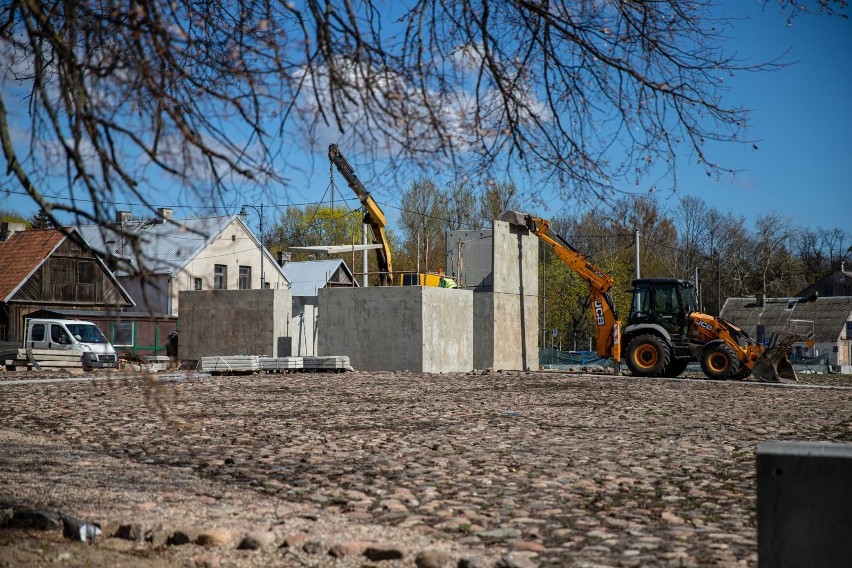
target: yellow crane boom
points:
(373, 215)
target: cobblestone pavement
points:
(401, 469)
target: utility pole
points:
(697, 291)
(718, 284)
(364, 266)
(636, 252)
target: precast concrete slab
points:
(505, 319)
(388, 328)
(233, 322)
(514, 260)
(469, 259)
(505, 331)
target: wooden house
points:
(47, 270)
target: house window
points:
(197, 283)
(122, 333)
(220, 277)
(85, 272)
(245, 277)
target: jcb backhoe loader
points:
(665, 330)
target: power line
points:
(132, 204)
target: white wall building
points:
(201, 253)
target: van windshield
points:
(86, 332)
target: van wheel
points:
(720, 362)
(648, 356)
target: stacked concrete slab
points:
(412, 328)
(506, 320)
(501, 266)
(234, 322)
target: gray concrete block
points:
(233, 322)
(515, 259)
(505, 330)
(804, 504)
(470, 259)
(412, 328)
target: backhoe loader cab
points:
(664, 301)
(657, 332)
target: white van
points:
(72, 335)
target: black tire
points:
(648, 356)
(741, 374)
(676, 367)
(720, 362)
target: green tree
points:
(40, 220)
(566, 304)
(10, 216)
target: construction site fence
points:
(815, 365)
(574, 360)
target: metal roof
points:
(829, 315)
(166, 246)
(307, 277)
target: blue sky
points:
(801, 119)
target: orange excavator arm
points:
(373, 215)
(607, 324)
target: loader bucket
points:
(774, 363)
(515, 218)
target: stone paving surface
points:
(399, 469)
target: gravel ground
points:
(397, 469)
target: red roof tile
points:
(22, 253)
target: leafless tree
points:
(113, 99)
(496, 199)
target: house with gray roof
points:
(306, 279)
(830, 319)
(200, 253)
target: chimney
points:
(164, 214)
(4, 231)
(283, 257)
(122, 216)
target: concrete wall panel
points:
(234, 322)
(506, 320)
(469, 259)
(398, 328)
(505, 331)
(515, 260)
(804, 504)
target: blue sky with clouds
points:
(801, 119)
